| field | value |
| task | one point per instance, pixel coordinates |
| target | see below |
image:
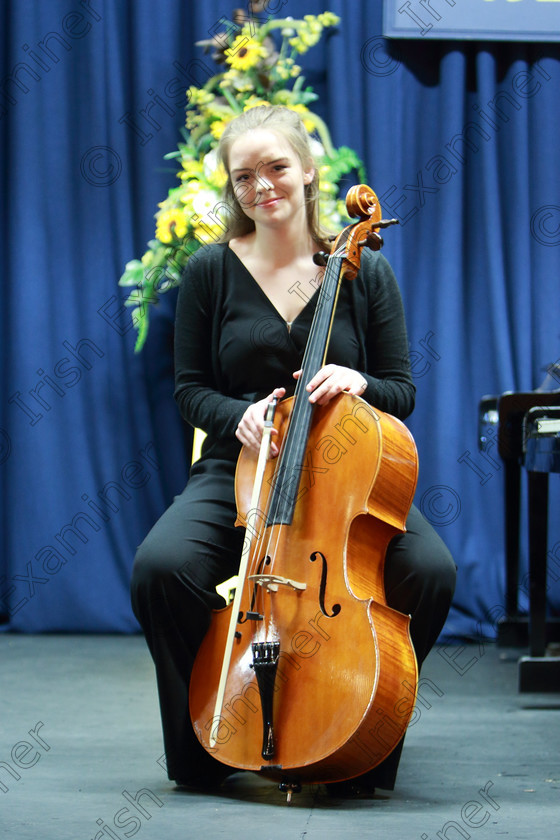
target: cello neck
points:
(286, 482)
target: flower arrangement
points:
(257, 71)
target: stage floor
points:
(81, 756)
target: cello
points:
(308, 676)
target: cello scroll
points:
(361, 202)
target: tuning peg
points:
(373, 241)
(320, 258)
(383, 223)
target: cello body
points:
(322, 679)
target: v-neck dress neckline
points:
(289, 324)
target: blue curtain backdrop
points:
(460, 142)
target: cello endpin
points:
(289, 788)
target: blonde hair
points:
(288, 124)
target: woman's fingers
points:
(251, 426)
(332, 380)
(326, 384)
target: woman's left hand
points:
(332, 380)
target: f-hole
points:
(323, 585)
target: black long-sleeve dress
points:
(232, 348)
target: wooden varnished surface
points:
(337, 704)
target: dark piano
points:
(525, 426)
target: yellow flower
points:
(217, 128)
(214, 173)
(227, 78)
(310, 29)
(242, 84)
(208, 231)
(197, 96)
(303, 111)
(193, 120)
(218, 178)
(308, 34)
(191, 169)
(328, 187)
(286, 69)
(283, 72)
(190, 189)
(171, 224)
(254, 102)
(328, 19)
(244, 53)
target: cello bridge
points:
(272, 582)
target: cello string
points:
(255, 511)
(299, 424)
(286, 465)
(301, 414)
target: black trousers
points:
(194, 546)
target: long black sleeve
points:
(197, 389)
(388, 374)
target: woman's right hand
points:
(251, 425)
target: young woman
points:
(244, 312)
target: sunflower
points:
(244, 53)
(171, 224)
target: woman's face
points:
(267, 177)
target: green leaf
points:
(344, 160)
(305, 97)
(142, 325)
(132, 277)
